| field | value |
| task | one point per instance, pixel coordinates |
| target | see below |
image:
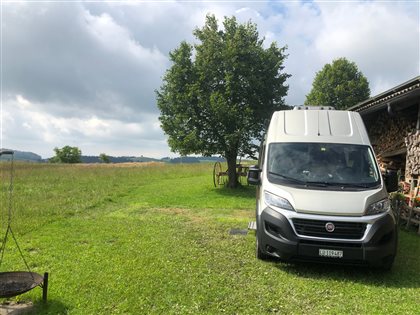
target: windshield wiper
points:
(320, 184)
(347, 185)
(297, 181)
(342, 185)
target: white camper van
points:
(320, 194)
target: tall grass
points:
(154, 239)
(43, 193)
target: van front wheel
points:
(258, 252)
(388, 262)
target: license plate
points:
(331, 253)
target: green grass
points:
(155, 240)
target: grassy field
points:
(154, 239)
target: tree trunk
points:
(233, 178)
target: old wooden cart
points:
(220, 177)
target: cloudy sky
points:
(84, 73)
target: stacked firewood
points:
(412, 142)
(393, 163)
(387, 133)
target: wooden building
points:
(392, 119)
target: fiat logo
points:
(330, 227)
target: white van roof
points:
(311, 125)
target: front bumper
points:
(277, 237)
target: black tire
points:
(259, 253)
(388, 263)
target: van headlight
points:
(276, 201)
(379, 207)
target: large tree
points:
(339, 84)
(219, 94)
(67, 154)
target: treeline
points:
(117, 159)
(193, 159)
(128, 159)
(89, 159)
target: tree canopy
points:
(219, 94)
(67, 154)
(339, 84)
(104, 158)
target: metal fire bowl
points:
(17, 282)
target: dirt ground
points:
(14, 308)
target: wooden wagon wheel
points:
(217, 170)
(241, 172)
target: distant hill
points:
(23, 156)
(193, 159)
(32, 157)
(118, 159)
(128, 159)
(145, 159)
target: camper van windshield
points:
(336, 166)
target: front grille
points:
(343, 230)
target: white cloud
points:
(119, 41)
(382, 38)
(22, 102)
(28, 127)
(75, 63)
(84, 74)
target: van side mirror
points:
(254, 175)
(391, 181)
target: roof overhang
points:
(403, 95)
